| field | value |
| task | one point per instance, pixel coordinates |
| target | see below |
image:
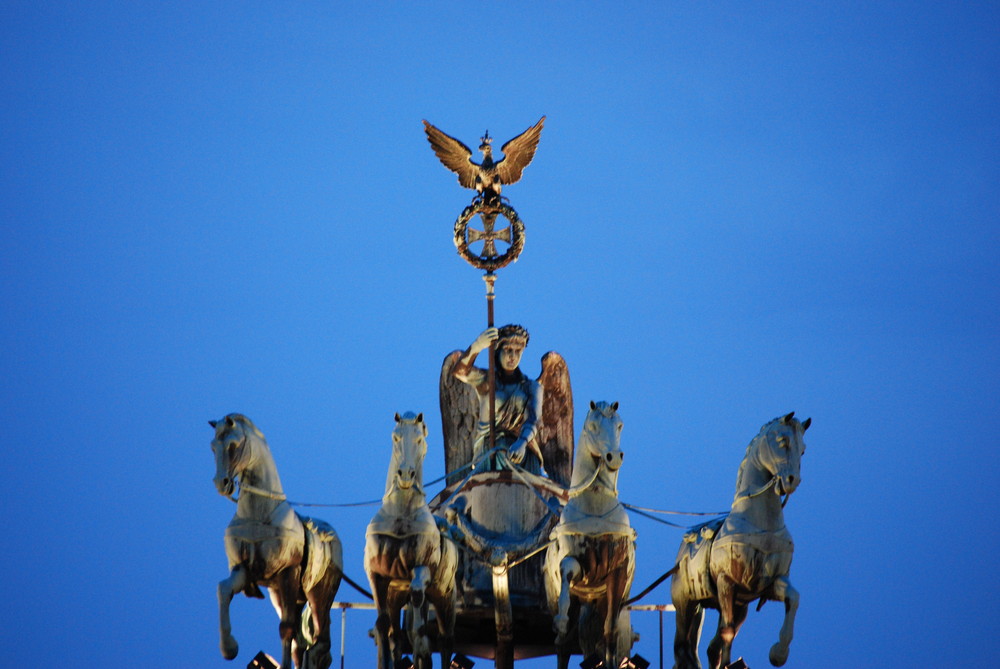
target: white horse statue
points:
(298, 559)
(727, 564)
(406, 555)
(590, 565)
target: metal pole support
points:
(490, 278)
(502, 611)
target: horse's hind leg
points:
(731, 616)
(283, 596)
(320, 598)
(688, 618)
(227, 589)
(444, 607)
(614, 644)
(784, 592)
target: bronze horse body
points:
(727, 564)
(407, 558)
(590, 566)
(298, 559)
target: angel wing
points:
(556, 434)
(459, 414)
(456, 156)
(517, 153)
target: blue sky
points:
(735, 211)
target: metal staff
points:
(489, 261)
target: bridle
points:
(246, 487)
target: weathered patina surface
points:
(590, 566)
(407, 558)
(534, 417)
(298, 559)
(726, 564)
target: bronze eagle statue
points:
(487, 177)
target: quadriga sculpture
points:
(298, 559)
(407, 557)
(589, 568)
(728, 563)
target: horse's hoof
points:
(230, 649)
(778, 654)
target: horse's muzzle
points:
(224, 486)
(613, 460)
(405, 478)
(788, 483)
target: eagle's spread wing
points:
(456, 156)
(459, 415)
(517, 153)
(556, 435)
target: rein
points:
(577, 490)
(767, 486)
(279, 497)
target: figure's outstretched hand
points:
(487, 337)
(517, 451)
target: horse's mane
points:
(240, 418)
(762, 434)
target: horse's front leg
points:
(383, 624)
(784, 592)
(227, 590)
(418, 621)
(569, 571)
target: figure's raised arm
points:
(464, 369)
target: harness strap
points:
(280, 497)
(652, 586)
(578, 490)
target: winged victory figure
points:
(487, 177)
(534, 418)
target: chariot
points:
(527, 550)
(506, 520)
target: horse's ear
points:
(785, 419)
(806, 423)
(614, 406)
(230, 422)
(212, 423)
(592, 405)
(420, 417)
(397, 417)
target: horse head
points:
(780, 447)
(232, 450)
(409, 446)
(599, 446)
